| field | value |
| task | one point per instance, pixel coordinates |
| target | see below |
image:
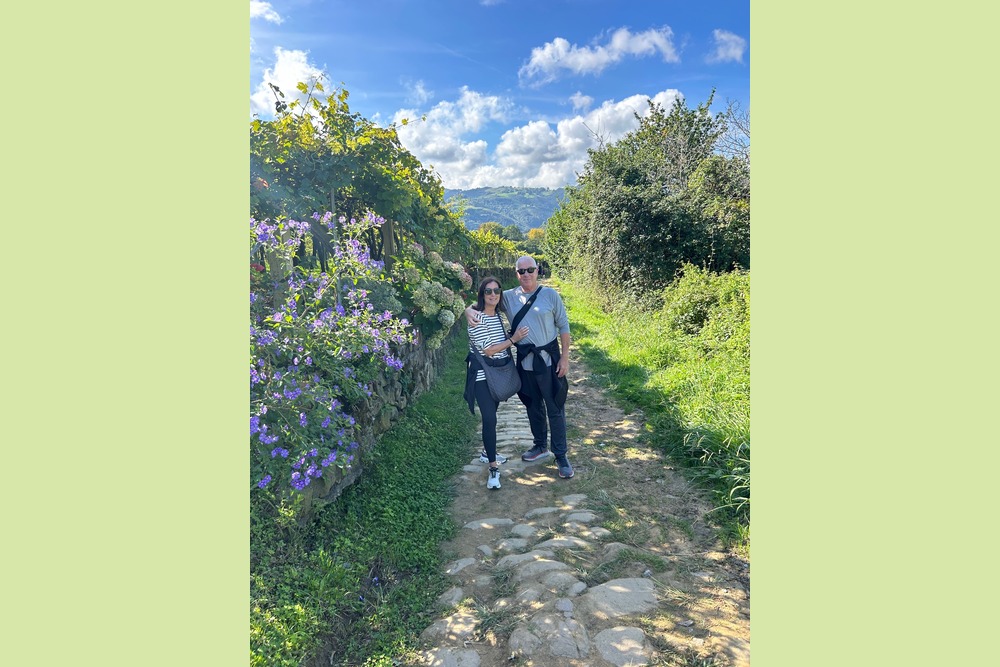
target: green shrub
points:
(687, 367)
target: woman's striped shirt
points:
(489, 332)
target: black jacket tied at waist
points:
(529, 391)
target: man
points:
(542, 362)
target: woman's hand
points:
(520, 334)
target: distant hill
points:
(525, 207)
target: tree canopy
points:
(659, 198)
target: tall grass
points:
(687, 367)
(356, 579)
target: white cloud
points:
(290, 67)
(264, 11)
(469, 113)
(549, 60)
(581, 101)
(728, 46)
(535, 154)
(419, 94)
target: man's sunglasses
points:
(530, 269)
(493, 290)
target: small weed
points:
(496, 622)
(544, 533)
(628, 531)
(682, 525)
(669, 655)
(503, 583)
(620, 564)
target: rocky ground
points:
(617, 566)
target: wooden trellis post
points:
(388, 245)
(335, 230)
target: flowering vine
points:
(312, 354)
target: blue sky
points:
(513, 92)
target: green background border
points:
(126, 473)
(872, 370)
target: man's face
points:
(527, 275)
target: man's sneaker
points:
(565, 469)
(486, 459)
(493, 482)
(534, 454)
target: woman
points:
(490, 338)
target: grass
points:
(353, 584)
(504, 585)
(618, 566)
(687, 368)
(495, 621)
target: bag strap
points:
(488, 361)
(477, 350)
(524, 311)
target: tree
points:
(535, 241)
(318, 154)
(492, 227)
(652, 202)
(513, 233)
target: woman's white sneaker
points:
(486, 459)
(493, 481)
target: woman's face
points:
(488, 293)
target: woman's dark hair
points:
(481, 299)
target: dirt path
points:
(616, 566)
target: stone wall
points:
(391, 394)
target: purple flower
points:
(264, 482)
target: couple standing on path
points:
(542, 342)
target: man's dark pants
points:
(537, 410)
